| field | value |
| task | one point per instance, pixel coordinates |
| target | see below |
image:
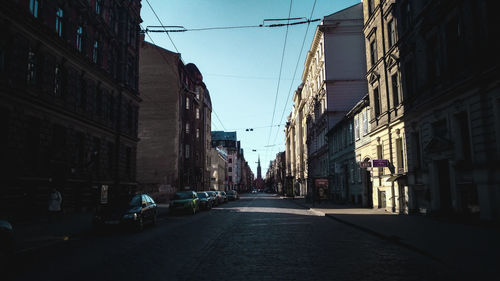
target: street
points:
(259, 237)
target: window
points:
(188, 153)
(111, 108)
(96, 154)
(98, 7)
(197, 113)
(230, 160)
(395, 89)
(376, 101)
(98, 102)
(417, 150)
(365, 122)
(433, 60)
(31, 71)
(34, 6)
(356, 127)
(230, 179)
(230, 169)
(373, 51)
(409, 77)
(111, 156)
(371, 7)
(128, 162)
(350, 133)
(391, 29)
(197, 133)
(59, 22)
(453, 43)
(132, 33)
(187, 128)
(399, 155)
(187, 102)
(95, 51)
(129, 117)
(83, 94)
(112, 18)
(57, 81)
(79, 38)
(440, 129)
(380, 156)
(465, 143)
(407, 15)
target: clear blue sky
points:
(241, 67)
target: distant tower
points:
(259, 174)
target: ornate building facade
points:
(70, 101)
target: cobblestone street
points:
(260, 237)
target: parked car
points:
(185, 201)
(254, 191)
(214, 197)
(135, 212)
(6, 245)
(232, 195)
(224, 196)
(205, 200)
(220, 199)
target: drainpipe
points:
(393, 196)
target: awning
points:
(395, 177)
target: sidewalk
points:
(37, 234)
(473, 249)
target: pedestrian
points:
(55, 200)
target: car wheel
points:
(139, 224)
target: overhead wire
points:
(295, 71)
(279, 76)
(172, 41)
(173, 44)
(183, 29)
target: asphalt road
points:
(259, 237)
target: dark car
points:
(6, 245)
(205, 200)
(232, 195)
(136, 212)
(185, 201)
(213, 196)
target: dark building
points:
(68, 84)
(450, 68)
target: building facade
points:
(332, 82)
(172, 153)
(346, 142)
(218, 171)
(450, 66)
(70, 102)
(387, 134)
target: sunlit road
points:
(260, 237)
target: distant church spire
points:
(259, 174)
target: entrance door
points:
(369, 189)
(381, 199)
(444, 185)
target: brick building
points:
(68, 76)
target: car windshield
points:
(136, 201)
(183, 195)
(202, 194)
(229, 192)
